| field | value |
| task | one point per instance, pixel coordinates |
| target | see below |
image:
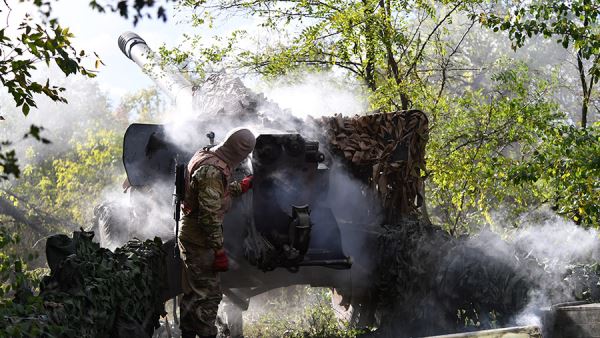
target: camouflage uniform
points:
(201, 233)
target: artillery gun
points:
(286, 231)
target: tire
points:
(111, 222)
(231, 319)
(361, 311)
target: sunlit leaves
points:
(476, 141)
(143, 106)
(60, 183)
(567, 165)
(373, 41)
(573, 22)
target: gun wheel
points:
(111, 224)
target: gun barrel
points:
(169, 80)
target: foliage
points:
(22, 49)
(506, 145)
(72, 183)
(45, 40)
(478, 133)
(146, 105)
(85, 152)
(8, 163)
(30, 44)
(571, 23)
(382, 43)
(298, 312)
(40, 39)
(136, 8)
(92, 292)
(566, 165)
(9, 283)
(8, 158)
(17, 300)
(477, 138)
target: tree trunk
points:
(586, 91)
(370, 54)
(391, 59)
(8, 208)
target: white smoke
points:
(88, 108)
(317, 94)
(558, 242)
(540, 250)
(555, 243)
(224, 103)
(142, 213)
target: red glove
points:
(246, 183)
(221, 263)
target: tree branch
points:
(446, 63)
(437, 26)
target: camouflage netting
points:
(431, 283)
(387, 152)
(93, 292)
(225, 100)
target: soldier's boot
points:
(188, 334)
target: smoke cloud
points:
(223, 103)
(88, 108)
(540, 252)
(555, 244)
(316, 94)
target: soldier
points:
(208, 197)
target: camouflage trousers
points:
(201, 290)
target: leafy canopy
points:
(571, 23)
(380, 42)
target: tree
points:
(82, 161)
(566, 166)
(380, 42)
(480, 135)
(22, 49)
(60, 183)
(563, 164)
(572, 23)
(145, 105)
(55, 183)
(402, 52)
(33, 43)
(44, 40)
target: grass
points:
(295, 312)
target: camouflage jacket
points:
(204, 226)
